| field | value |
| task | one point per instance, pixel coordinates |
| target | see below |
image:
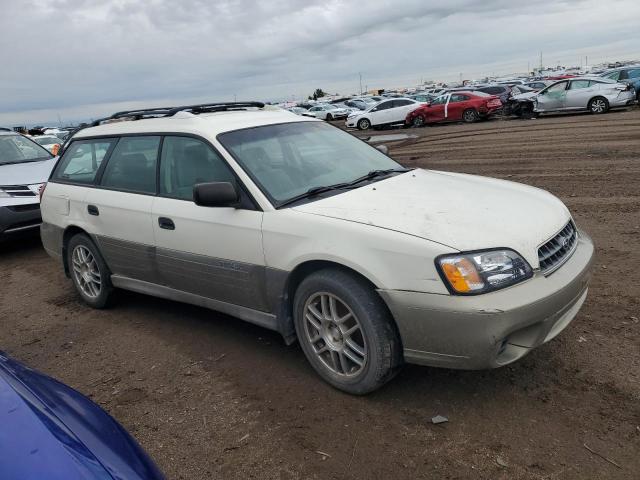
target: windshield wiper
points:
(312, 192)
(378, 173)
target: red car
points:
(455, 107)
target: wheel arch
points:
(293, 280)
(69, 233)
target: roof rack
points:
(162, 112)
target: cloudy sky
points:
(80, 59)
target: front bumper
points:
(16, 219)
(494, 329)
(351, 122)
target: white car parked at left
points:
(388, 112)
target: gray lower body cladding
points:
(19, 218)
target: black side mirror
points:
(215, 194)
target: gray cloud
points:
(82, 57)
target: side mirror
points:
(215, 194)
(383, 148)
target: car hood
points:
(26, 173)
(463, 212)
(51, 431)
(524, 96)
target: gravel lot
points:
(211, 397)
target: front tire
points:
(346, 331)
(364, 124)
(598, 105)
(470, 115)
(418, 121)
(89, 272)
(329, 117)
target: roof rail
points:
(161, 112)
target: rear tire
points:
(346, 331)
(598, 105)
(329, 117)
(89, 272)
(470, 116)
(364, 124)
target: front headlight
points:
(4, 194)
(484, 271)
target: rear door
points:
(579, 94)
(401, 109)
(119, 209)
(212, 252)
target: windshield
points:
(18, 149)
(47, 140)
(286, 160)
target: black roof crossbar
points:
(215, 107)
(162, 112)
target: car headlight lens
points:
(4, 194)
(480, 272)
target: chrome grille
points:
(556, 251)
(18, 190)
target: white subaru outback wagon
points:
(300, 227)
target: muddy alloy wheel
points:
(86, 271)
(598, 105)
(335, 334)
(469, 115)
(89, 272)
(418, 121)
(346, 331)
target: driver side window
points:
(186, 161)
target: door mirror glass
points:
(215, 194)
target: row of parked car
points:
(595, 93)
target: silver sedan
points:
(596, 95)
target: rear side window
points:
(82, 159)
(456, 97)
(383, 106)
(579, 84)
(187, 161)
(132, 165)
(493, 90)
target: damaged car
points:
(596, 95)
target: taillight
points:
(41, 189)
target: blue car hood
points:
(48, 430)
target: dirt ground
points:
(211, 397)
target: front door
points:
(212, 252)
(437, 111)
(380, 114)
(457, 104)
(552, 98)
